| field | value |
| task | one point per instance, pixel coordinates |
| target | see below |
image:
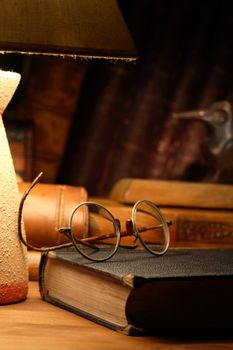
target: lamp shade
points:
(76, 28)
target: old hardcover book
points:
(201, 213)
(174, 193)
(135, 292)
(48, 207)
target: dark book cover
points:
(184, 289)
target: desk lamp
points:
(70, 28)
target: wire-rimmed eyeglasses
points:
(147, 228)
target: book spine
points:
(200, 228)
(41, 267)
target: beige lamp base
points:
(13, 256)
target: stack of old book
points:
(201, 213)
(189, 287)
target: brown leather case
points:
(48, 207)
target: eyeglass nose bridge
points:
(130, 229)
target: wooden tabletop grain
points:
(35, 324)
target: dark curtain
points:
(123, 125)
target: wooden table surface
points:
(35, 324)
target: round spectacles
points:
(147, 228)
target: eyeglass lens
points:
(97, 246)
(151, 227)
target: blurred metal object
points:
(218, 146)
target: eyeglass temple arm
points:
(20, 215)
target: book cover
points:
(135, 292)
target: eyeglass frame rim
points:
(115, 222)
(165, 228)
